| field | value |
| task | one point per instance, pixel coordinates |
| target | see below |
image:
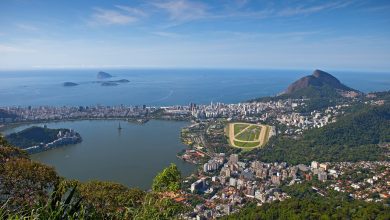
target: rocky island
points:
(109, 84)
(121, 81)
(103, 75)
(37, 139)
(69, 84)
(113, 82)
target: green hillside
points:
(33, 136)
(352, 138)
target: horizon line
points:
(124, 67)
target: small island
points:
(121, 81)
(113, 82)
(37, 139)
(69, 84)
(109, 84)
(103, 75)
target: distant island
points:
(113, 82)
(37, 139)
(121, 81)
(109, 84)
(103, 75)
(103, 82)
(69, 84)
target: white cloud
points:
(133, 11)
(183, 10)
(304, 10)
(112, 17)
(166, 34)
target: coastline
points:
(20, 123)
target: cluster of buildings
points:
(227, 184)
(242, 111)
(297, 122)
(366, 180)
(44, 113)
(282, 111)
(63, 138)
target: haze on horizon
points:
(350, 35)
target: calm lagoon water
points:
(132, 156)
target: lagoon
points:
(131, 156)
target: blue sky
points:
(342, 35)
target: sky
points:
(342, 35)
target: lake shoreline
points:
(119, 150)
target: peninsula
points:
(37, 139)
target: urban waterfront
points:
(131, 156)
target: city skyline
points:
(349, 35)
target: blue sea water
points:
(159, 87)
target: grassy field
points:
(252, 133)
(246, 144)
(246, 135)
(240, 127)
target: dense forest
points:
(353, 137)
(33, 136)
(305, 203)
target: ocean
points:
(161, 87)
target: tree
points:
(157, 207)
(109, 200)
(26, 182)
(168, 180)
(7, 151)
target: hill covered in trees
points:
(33, 136)
(361, 135)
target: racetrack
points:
(237, 137)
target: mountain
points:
(319, 84)
(103, 75)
